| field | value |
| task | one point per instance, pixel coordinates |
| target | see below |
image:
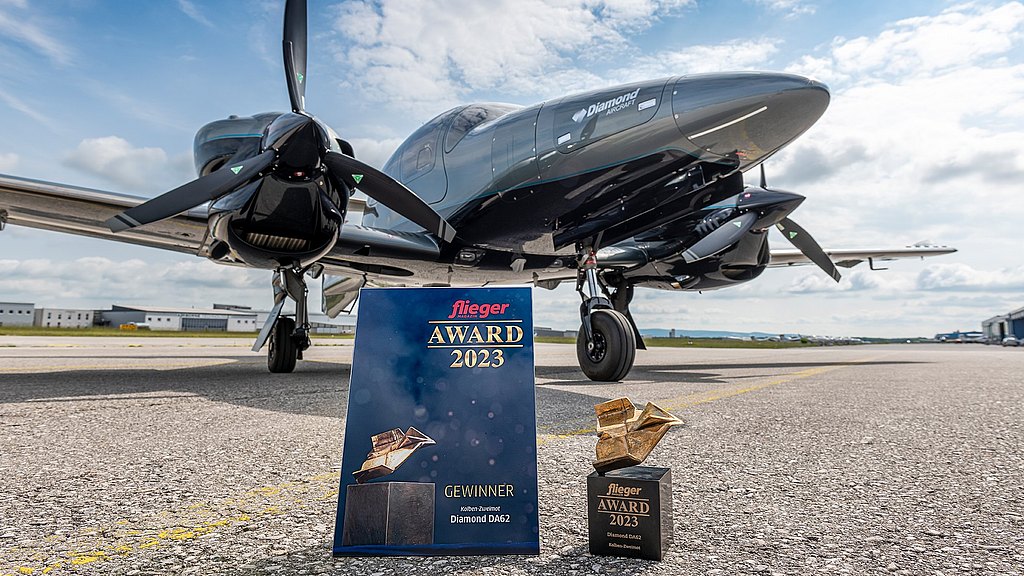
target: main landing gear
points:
(288, 336)
(607, 341)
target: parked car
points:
(1010, 341)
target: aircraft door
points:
(513, 150)
(420, 163)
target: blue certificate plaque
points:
(440, 452)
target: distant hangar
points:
(998, 327)
(178, 319)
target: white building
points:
(63, 318)
(182, 319)
(16, 314)
(319, 322)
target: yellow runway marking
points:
(196, 521)
(691, 400)
(198, 363)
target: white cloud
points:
(414, 53)
(852, 281)
(961, 277)
(24, 28)
(16, 103)
(962, 35)
(919, 140)
(96, 281)
(190, 10)
(375, 152)
(8, 161)
(791, 8)
(733, 55)
(118, 161)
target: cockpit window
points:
(418, 153)
(472, 116)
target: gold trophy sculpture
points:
(629, 507)
(626, 438)
(390, 450)
(389, 513)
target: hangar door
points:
(204, 324)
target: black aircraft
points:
(635, 185)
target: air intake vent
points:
(279, 243)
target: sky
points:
(923, 140)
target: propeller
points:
(291, 148)
(721, 238)
(295, 53)
(210, 187)
(810, 248)
(390, 192)
(804, 241)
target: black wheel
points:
(611, 356)
(283, 351)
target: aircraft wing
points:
(84, 211)
(850, 258)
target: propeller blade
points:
(721, 238)
(390, 192)
(192, 194)
(810, 248)
(295, 52)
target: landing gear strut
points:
(288, 337)
(606, 343)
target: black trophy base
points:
(629, 511)
(389, 513)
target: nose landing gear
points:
(288, 337)
(607, 341)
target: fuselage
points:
(644, 170)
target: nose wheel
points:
(283, 353)
(607, 356)
(606, 343)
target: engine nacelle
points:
(218, 141)
(276, 222)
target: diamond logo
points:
(579, 116)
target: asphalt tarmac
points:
(184, 456)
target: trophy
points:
(389, 513)
(629, 507)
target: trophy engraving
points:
(626, 438)
(390, 450)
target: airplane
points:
(637, 185)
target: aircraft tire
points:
(283, 351)
(614, 347)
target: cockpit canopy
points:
(418, 156)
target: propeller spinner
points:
(295, 136)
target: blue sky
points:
(923, 139)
